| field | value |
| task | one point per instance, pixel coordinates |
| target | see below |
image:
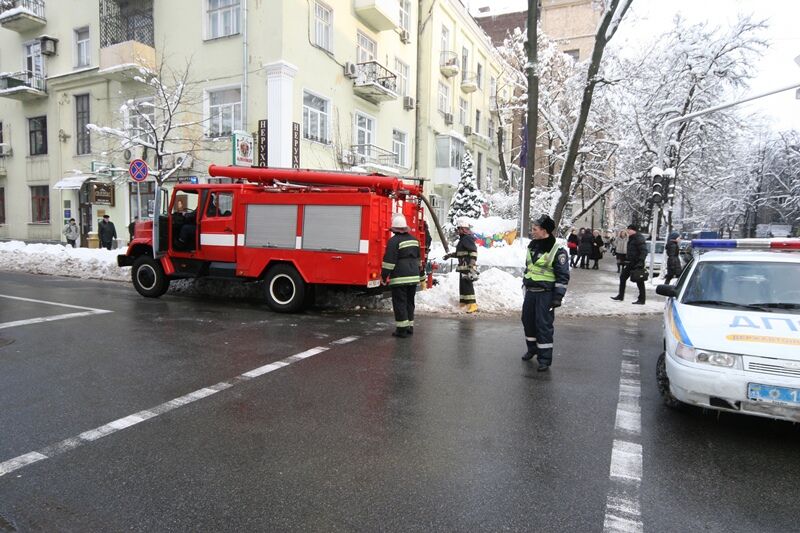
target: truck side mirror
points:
(667, 290)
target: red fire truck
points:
(294, 229)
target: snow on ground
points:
(497, 290)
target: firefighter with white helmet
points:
(467, 255)
(400, 270)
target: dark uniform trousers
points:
(466, 290)
(623, 279)
(537, 321)
(403, 304)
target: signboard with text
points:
(242, 149)
(295, 145)
(102, 194)
(262, 143)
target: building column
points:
(280, 104)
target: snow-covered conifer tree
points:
(468, 200)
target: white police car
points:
(732, 329)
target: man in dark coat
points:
(400, 270)
(674, 266)
(634, 260)
(467, 255)
(545, 282)
(107, 232)
(585, 247)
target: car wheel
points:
(286, 290)
(148, 277)
(662, 381)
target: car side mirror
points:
(670, 291)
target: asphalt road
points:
(445, 431)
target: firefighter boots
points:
(472, 308)
(401, 333)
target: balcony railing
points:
(369, 155)
(375, 83)
(22, 86)
(22, 15)
(469, 82)
(448, 63)
(122, 21)
(34, 6)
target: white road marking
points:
(38, 320)
(105, 430)
(622, 502)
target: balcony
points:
(448, 64)
(127, 43)
(469, 82)
(22, 86)
(375, 83)
(22, 15)
(375, 158)
(380, 15)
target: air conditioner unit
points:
(347, 157)
(183, 161)
(5, 150)
(408, 102)
(350, 70)
(467, 130)
(135, 152)
(405, 36)
(448, 118)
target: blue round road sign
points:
(138, 170)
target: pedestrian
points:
(467, 255)
(72, 232)
(572, 244)
(107, 232)
(597, 249)
(674, 266)
(400, 270)
(633, 267)
(132, 227)
(621, 249)
(585, 247)
(545, 282)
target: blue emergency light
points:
(747, 244)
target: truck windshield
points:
(761, 285)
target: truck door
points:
(217, 228)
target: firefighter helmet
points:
(399, 221)
(463, 222)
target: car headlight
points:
(697, 355)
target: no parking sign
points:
(138, 170)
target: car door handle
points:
(337, 257)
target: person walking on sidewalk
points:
(572, 244)
(545, 282)
(634, 264)
(107, 232)
(674, 265)
(585, 247)
(72, 232)
(621, 247)
(597, 249)
(400, 270)
(467, 255)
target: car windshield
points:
(659, 247)
(760, 285)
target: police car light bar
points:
(747, 244)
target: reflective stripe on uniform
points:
(402, 324)
(408, 244)
(387, 266)
(542, 269)
(468, 297)
(404, 280)
(560, 286)
(544, 344)
(530, 339)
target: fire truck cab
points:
(294, 229)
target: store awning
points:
(72, 182)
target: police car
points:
(732, 329)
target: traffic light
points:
(658, 189)
(671, 189)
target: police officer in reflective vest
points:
(545, 283)
(400, 269)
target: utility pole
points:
(532, 72)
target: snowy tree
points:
(468, 200)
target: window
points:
(464, 62)
(323, 17)
(402, 70)
(449, 152)
(492, 88)
(140, 121)
(365, 133)
(37, 135)
(479, 74)
(223, 18)
(34, 65)
(463, 111)
(574, 54)
(82, 49)
(220, 204)
(399, 144)
(2, 205)
(148, 199)
(445, 39)
(366, 49)
(315, 118)
(490, 178)
(477, 121)
(444, 98)
(405, 14)
(224, 111)
(40, 204)
(82, 139)
(491, 130)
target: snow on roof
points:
(16, 11)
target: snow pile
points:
(56, 259)
(492, 225)
(495, 291)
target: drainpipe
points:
(417, 114)
(244, 65)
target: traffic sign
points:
(138, 170)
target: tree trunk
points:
(532, 72)
(504, 178)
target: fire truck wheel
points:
(148, 277)
(286, 290)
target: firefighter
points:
(545, 283)
(400, 270)
(467, 255)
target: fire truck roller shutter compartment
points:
(332, 228)
(271, 226)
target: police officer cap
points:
(634, 227)
(546, 223)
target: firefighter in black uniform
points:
(545, 283)
(467, 255)
(400, 269)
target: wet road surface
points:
(446, 431)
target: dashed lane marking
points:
(86, 311)
(58, 448)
